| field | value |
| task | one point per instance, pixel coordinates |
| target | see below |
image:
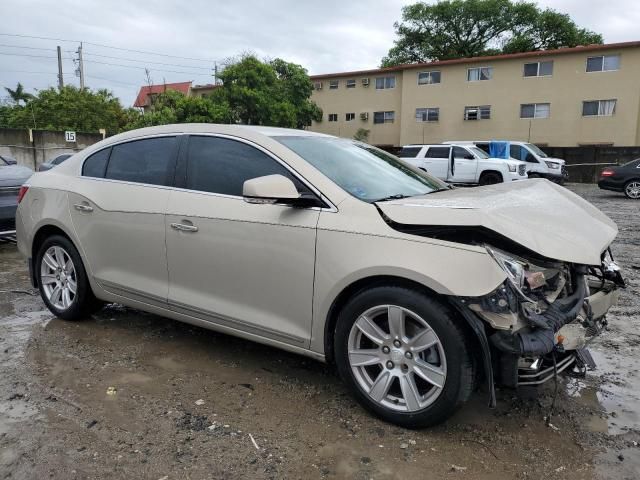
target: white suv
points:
(539, 164)
(463, 164)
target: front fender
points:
(343, 258)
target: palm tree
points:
(19, 94)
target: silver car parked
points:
(329, 248)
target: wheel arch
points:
(489, 171)
(385, 280)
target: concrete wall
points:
(564, 90)
(46, 145)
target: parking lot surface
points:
(126, 394)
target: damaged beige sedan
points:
(329, 248)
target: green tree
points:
(175, 107)
(18, 94)
(70, 109)
(469, 28)
(272, 93)
(362, 135)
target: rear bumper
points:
(610, 184)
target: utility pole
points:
(60, 79)
(215, 73)
(81, 67)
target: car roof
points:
(194, 128)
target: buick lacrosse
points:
(330, 248)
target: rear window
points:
(438, 152)
(148, 161)
(409, 152)
(96, 164)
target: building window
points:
(538, 69)
(482, 112)
(480, 73)
(333, 117)
(603, 63)
(427, 114)
(383, 117)
(385, 82)
(351, 83)
(535, 110)
(598, 108)
(428, 78)
(333, 84)
(350, 116)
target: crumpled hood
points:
(14, 175)
(537, 214)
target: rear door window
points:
(409, 152)
(150, 161)
(220, 165)
(96, 164)
(437, 152)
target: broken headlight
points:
(513, 266)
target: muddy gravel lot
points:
(126, 394)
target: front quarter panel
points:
(355, 244)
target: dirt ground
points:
(131, 395)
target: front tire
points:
(490, 178)
(403, 356)
(632, 189)
(62, 280)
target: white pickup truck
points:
(463, 164)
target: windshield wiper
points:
(397, 196)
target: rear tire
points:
(490, 178)
(632, 189)
(403, 357)
(62, 280)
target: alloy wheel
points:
(58, 277)
(397, 358)
(633, 190)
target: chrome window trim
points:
(332, 207)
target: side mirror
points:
(270, 189)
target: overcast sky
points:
(324, 36)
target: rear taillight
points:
(22, 192)
(607, 172)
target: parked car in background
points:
(463, 164)
(625, 178)
(12, 177)
(53, 162)
(330, 248)
(7, 160)
(539, 164)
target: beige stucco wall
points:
(358, 100)
(565, 90)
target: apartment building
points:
(567, 97)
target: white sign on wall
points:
(70, 136)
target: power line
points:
(143, 68)
(21, 46)
(27, 55)
(147, 61)
(113, 81)
(145, 52)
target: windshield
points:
(632, 162)
(536, 150)
(479, 152)
(364, 171)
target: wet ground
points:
(126, 394)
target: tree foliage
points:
(18, 94)
(175, 107)
(469, 28)
(268, 93)
(68, 109)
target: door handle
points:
(184, 228)
(83, 208)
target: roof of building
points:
(489, 58)
(207, 86)
(141, 99)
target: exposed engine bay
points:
(544, 315)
